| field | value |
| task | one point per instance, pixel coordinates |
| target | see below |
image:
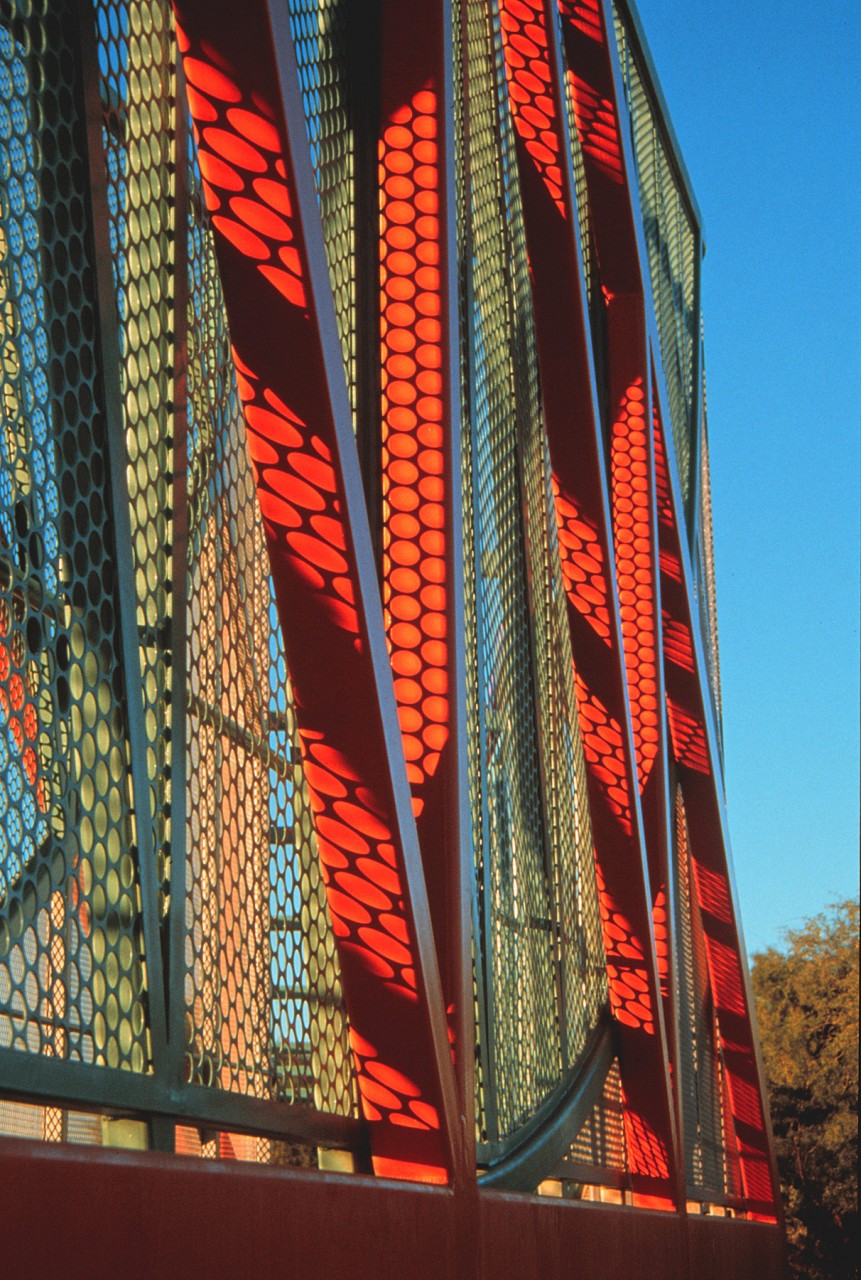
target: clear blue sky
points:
(764, 100)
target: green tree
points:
(807, 1007)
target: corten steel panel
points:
(585, 530)
(245, 102)
(171, 1216)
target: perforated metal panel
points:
(600, 1145)
(71, 949)
(262, 992)
(137, 89)
(672, 245)
(708, 592)
(321, 32)
(700, 1083)
(536, 906)
(167, 955)
(241, 922)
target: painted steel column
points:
(246, 105)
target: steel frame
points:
(392, 819)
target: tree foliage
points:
(807, 1007)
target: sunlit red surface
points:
(712, 892)
(582, 559)
(358, 858)
(302, 503)
(585, 16)
(413, 461)
(743, 1116)
(585, 580)
(626, 971)
(596, 127)
(604, 749)
(727, 984)
(744, 1125)
(250, 200)
(670, 565)
(243, 175)
(530, 89)
(688, 738)
(594, 114)
(661, 926)
(646, 1151)
(663, 497)
(629, 480)
(678, 647)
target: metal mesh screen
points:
(600, 1144)
(50, 1124)
(672, 244)
(20, 1120)
(464, 257)
(583, 212)
(699, 1075)
(238, 911)
(137, 84)
(263, 998)
(708, 594)
(163, 918)
(71, 950)
(321, 36)
(536, 903)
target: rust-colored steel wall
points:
(175, 1217)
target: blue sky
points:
(764, 101)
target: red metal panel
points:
(244, 99)
(594, 98)
(686, 712)
(590, 566)
(420, 418)
(174, 1216)
(608, 165)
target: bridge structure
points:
(366, 904)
